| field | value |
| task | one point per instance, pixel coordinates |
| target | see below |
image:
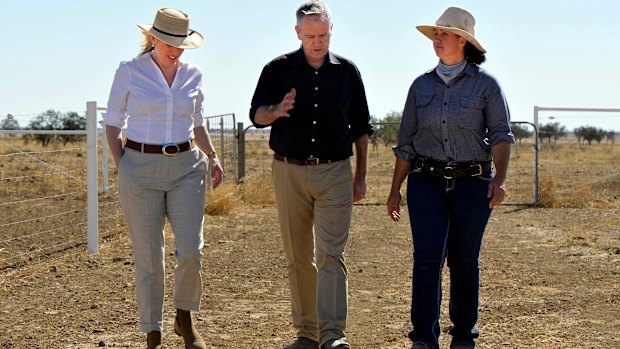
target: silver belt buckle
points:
(447, 168)
(164, 149)
(313, 161)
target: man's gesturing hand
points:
(287, 104)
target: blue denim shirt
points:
(456, 122)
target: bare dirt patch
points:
(550, 279)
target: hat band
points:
(170, 34)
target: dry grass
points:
(223, 200)
(580, 236)
(255, 189)
(601, 194)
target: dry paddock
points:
(550, 279)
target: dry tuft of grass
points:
(223, 200)
(587, 196)
(548, 191)
(257, 189)
(579, 198)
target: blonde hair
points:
(146, 45)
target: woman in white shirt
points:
(162, 167)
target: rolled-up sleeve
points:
(263, 94)
(116, 111)
(198, 109)
(360, 115)
(497, 116)
(408, 127)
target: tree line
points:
(49, 120)
(554, 131)
(386, 131)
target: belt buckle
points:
(447, 168)
(312, 161)
(164, 149)
(479, 169)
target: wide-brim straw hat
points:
(457, 21)
(172, 27)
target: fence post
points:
(241, 150)
(92, 201)
(535, 189)
(222, 159)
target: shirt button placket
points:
(445, 110)
(314, 130)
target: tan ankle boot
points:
(184, 327)
(153, 340)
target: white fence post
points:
(92, 203)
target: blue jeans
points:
(448, 218)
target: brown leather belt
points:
(306, 162)
(170, 149)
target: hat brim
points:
(427, 30)
(194, 40)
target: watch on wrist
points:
(211, 154)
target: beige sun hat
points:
(172, 27)
(457, 21)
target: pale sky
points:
(554, 53)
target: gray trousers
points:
(152, 187)
(314, 209)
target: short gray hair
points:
(313, 7)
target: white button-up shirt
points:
(154, 112)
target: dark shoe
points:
(420, 345)
(184, 327)
(461, 346)
(303, 343)
(153, 340)
(336, 344)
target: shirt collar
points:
(300, 58)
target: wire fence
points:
(44, 189)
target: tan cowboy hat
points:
(457, 21)
(172, 27)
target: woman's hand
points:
(217, 173)
(393, 205)
(496, 192)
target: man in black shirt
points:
(316, 106)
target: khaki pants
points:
(314, 209)
(152, 187)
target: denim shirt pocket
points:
(471, 115)
(426, 111)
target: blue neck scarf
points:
(448, 72)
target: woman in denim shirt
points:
(455, 125)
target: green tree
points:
(388, 131)
(589, 134)
(610, 137)
(9, 123)
(552, 130)
(48, 120)
(72, 121)
(520, 132)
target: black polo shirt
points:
(330, 106)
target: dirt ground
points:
(550, 279)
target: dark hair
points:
(473, 55)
